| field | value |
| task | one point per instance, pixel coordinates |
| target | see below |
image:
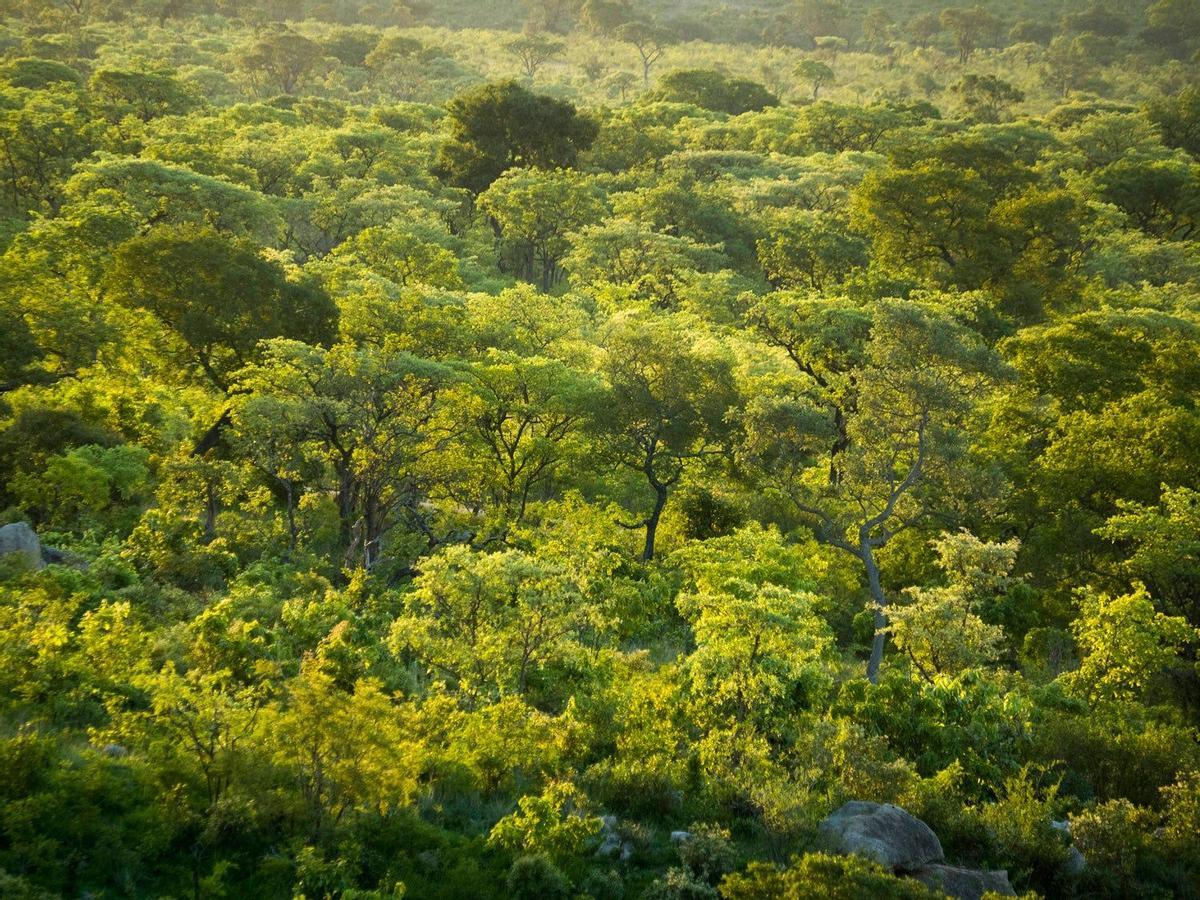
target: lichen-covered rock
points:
(882, 832)
(20, 538)
(964, 884)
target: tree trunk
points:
(877, 644)
(210, 512)
(293, 529)
(660, 501)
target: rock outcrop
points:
(20, 538)
(1076, 861)
(884, 833)
(965, 884)
(907, 846)
(610, 838)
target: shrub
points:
(555, 824)
(708, 854)
(535, 877)
(680, 884)
(1182, 819)
(1026, 843)
(1117, 752)
(603, 884)
(820, 876)
(1113, 836)
(939, 802)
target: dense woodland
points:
(451, 423)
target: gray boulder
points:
(20, 538)
(964, 884)
(1076, 861)
(882, 832)
(610, 839)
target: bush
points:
(708, 853)
(536, 878)
(1114, 838)
(1182, 826)
(1118, 752)
(819, 876)
(680, 884)
(977, 719)
(603, 884)
(940, 803)
(1026, 843)
(555, 824)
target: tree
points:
(556, 16)
(532, 214)
(1097, 19)
(1173, 25)
(1178, 119)
(347, 752)
(155, 193)
(809, 250)
(815, 73)
(1069, 61)
(1125, 644)
(952, 224)
(834, 128)
(986, 97)
(489, 623)
(877, 30)
(821, 17)
(860, 443)
(533, 51)
(87, 488)
(621, 83)
(667, 404)
(645, 265)
(369, 417)
(1029, 31)
(605, 16)
(390, 48)
(1164, 540)
(940, 628)
(760, 646)
(405, 253)
(969, 26)
(39, 74)
(830, 45)
(923, 27)
(498, 126)
(524, 415)
(205, 718)
(649, 40)
(280, 60)
(1161, 194)
(558, 823)
(43, 134)
(18, 350)
(713, 90)
(217, 295)
(143, 95)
